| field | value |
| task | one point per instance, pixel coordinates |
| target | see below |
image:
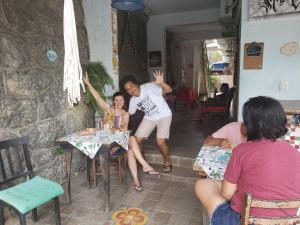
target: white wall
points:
(274, 32)
(98, 21)
(157, 25)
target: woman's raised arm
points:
(100, 101)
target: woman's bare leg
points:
(133, 167)
(209, 193)
(133, 145)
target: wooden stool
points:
(119, 164)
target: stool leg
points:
(125, 170)
(22, 218)
(56, 211)
(34, 215)
(1, 215)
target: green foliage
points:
(99, 78)
(59, 151)
(212, 82)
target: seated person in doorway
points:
(264, 166)
(149, 99)
(229, 136)
(219, 98)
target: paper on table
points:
(213, 160)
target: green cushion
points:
(31, 194)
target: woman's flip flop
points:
(138, 187)
(168, 168)
(152, 172)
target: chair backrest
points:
(13, 152)
(250, 202)
(228, 101)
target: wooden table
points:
(90, 145)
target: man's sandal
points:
(168, 168)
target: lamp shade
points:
(128, 5)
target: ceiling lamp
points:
(128, 5)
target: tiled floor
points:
(166, 199)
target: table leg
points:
(125, 170)
(68, 165)
(104, 164)
(88, 170)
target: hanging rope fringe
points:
(72, 66)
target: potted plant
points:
(99, 78)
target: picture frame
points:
(155, 59)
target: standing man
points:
(148, 98)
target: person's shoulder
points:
(125, 113)
(149, 85)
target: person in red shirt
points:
(264, 166)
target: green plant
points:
(59, 151)
(99, 78)
(212, 82)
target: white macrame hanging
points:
(72, 66)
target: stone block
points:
(14, 51)
(29, 83)
(33, 17)
(7, 133)
(42, 157)
(39, 47)
(44, 134)
(52, 101)
(17, 113)
(2, 88)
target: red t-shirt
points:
(267, 170)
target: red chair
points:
(220, 107)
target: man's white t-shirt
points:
(151, 102)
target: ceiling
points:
(175, 6)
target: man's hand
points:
(159, 77)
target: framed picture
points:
(155, 58)
(272, 7)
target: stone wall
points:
(32, 101)
(132, 42)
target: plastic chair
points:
(250, 202)
(27, 196)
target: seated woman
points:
(117, 113)
(219, 99)
(229, 136)
(264, 166)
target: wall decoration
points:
(272, 7)
(253, 56)
(155, 59)
(289, 48)
(51, 55)
(115, 53)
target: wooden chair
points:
(26, 196)
(119, 163)
(250, 202)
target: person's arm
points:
(228, 189)
(132, 107)
(159, 79)
(222, 142)
(100, 101)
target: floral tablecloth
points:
(213, 160)
(90, 144)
